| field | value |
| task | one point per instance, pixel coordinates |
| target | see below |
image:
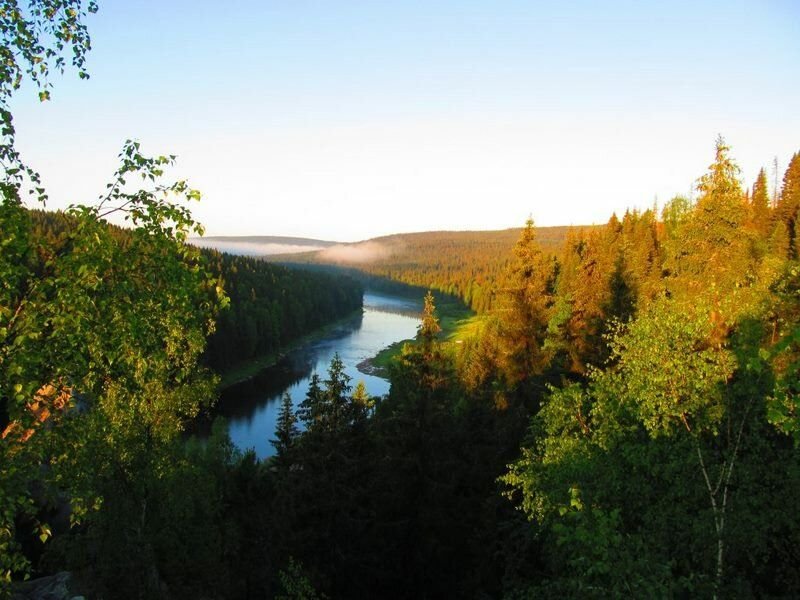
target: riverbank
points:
(458, 323)
(252, 408)
(250, 368)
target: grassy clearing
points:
(466, 328)
(457, 321)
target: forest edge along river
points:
(251, 406)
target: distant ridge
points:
(266, 239)
(466, 264)
(439, 244)
(550, 237)
(260, 245)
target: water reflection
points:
(251, 407)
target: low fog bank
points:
(362, 252)
(254, 248)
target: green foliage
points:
(670, 369)
(601, 560)
(295, 585)
(32, 42)
(783, 407)
(100, 336)
(674, 214)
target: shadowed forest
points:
(621, 419)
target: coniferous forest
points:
(624, 421)
(268, 305)
(465, 264)
(271, 305)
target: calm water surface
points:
(251, 407)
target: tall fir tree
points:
(789, 202)
(337, 400)
(362, 403)
(621, 304)
(711, 251)
(429, 328)
(525, 309)
(286, 431)
(312, 406)
(761, 213)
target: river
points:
(251, 407)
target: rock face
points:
(55, 587)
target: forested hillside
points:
(465, 264)
(269, 305)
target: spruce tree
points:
(361, 402)
(337, 390)
(286, 430)
(525, 310)
(621, 305)
(429, 327)
(791, 181)
(789, 203)
(311, 408)
(710, 251)
(722, 180)
(760, 204)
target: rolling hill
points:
(461, 263)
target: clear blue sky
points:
(345, 120)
